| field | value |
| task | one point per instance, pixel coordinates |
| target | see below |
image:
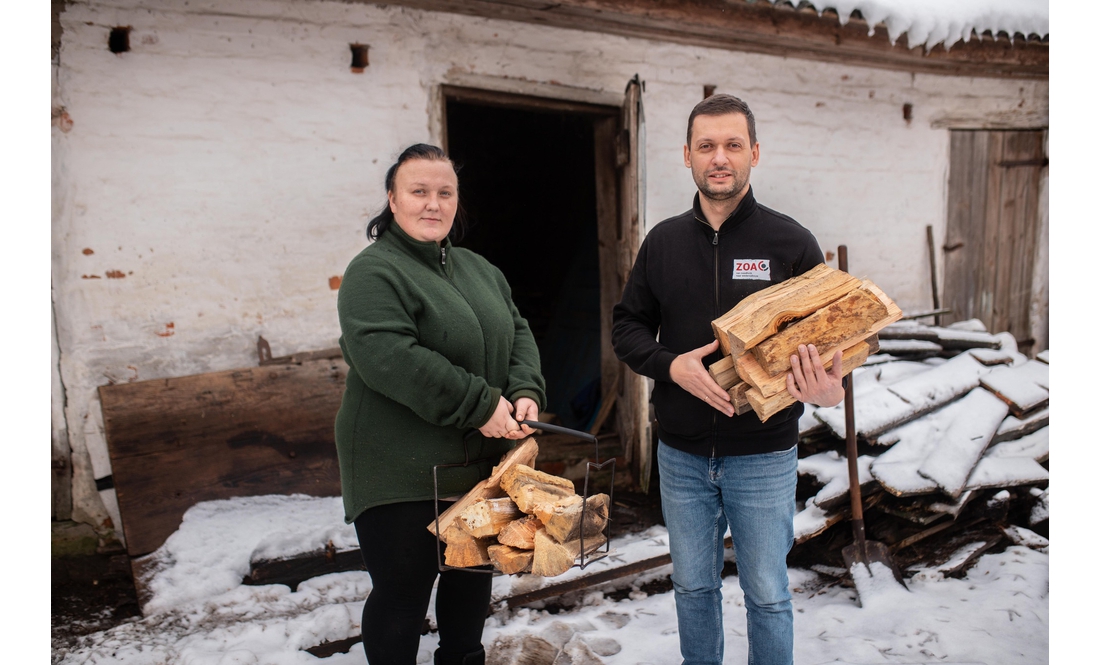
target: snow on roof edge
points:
(931, 22)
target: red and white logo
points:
(752, 269)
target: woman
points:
(441, 368)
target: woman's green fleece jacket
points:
(432, 340)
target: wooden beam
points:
(760, 27)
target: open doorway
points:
(529, 191)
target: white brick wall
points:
(224, 169)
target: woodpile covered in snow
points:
(954, 449)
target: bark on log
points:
(511, 560)
(486, 517)
(563, 519)
(524, 453)
(760, 315)
(829, 329)
(520, 533)
(528, 487)
(766, 407)
(553, 558)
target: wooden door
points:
(992, 229)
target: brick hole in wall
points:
(119, 39)
(528, 186)
(359, 59)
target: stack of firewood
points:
(825, 307)
(522, 521)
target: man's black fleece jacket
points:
(685, 276)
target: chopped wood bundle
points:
(828, 308)
(540, 526)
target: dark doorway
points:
(528, 186)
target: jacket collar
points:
(744, 209)
(436, 256)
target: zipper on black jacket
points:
(717, 313)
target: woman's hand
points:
(502, 425)
(526, 409)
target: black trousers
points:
(400, 555)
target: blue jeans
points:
(754, 495)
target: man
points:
(718, 468)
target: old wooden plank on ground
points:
(949, 464)
(1025, 388)
(177, 441)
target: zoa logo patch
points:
(752, 269)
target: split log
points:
(766, 407)
(739, 398)
(524, 453)
(463, 550)
(563, 519)
(486, 517)
(520, 533)
(724, 373)
(770, 386)
(830, 328)
(553, 558)
(760, 315)
(511, 560)
(528, 488)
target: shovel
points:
(862, 551)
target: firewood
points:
(463, 550)
(553, 558)
(766, 407)
(829, 329)
(724, 373)
(761, 314)
(524, 453)
(511, 560)
(520, 533)
(739, 398)
(529, 487)
(562, 519)
(486, 517)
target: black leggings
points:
(400, 555)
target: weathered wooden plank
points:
(1025, 388)
(1014, 428)
(830, 328)
(295, 570)
(177, 441)
(761, 314)
(524, 453)
(949, 464)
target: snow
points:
(997, 613)
(931, 22)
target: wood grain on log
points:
(724, 373)
(463, 550)
(486, 517)
(553, 558)
(511, 560)
(830, 329)
(563, 519)
(739, 398)
(520, 533)
(761, 314)
(528, 487)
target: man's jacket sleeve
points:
(636, 321)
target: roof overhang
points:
(760, 27)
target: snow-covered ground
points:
(201, 614)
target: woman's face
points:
(425, 198)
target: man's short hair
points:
(722, 104)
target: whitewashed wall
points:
(209, 183)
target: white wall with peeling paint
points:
(209, 183)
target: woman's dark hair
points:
(378, 226)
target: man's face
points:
(720, 156)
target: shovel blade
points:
(876, 553)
